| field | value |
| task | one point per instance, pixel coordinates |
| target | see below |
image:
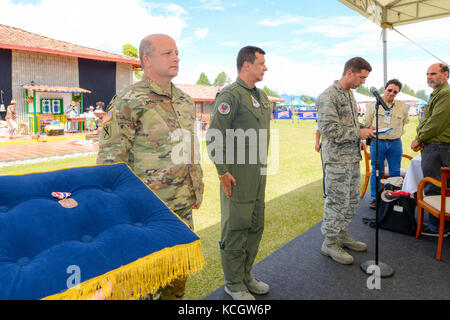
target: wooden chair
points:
(438, 206)
(385, 174)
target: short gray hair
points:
(145, 48)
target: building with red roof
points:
(204, 97)
(49, 70)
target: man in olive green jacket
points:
(240, 128)
(433, 132)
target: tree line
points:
(222, 79)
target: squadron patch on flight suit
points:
(224, 108)
(255, 102)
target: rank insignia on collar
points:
(255, 102)
(224, 108)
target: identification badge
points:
(387, 117)
(255, 102)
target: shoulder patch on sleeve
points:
(107, 118)
(223, 108)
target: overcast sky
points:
(306, 42)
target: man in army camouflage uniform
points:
(144, 126)
(242, 117)
(341, 134)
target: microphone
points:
(380, 100)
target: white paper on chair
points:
(383, 130)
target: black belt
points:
(443, 143)
(389, 140)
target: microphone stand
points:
(385, 270)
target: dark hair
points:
(444, 67)
(357, 64)
(394, 82)
(247, 54)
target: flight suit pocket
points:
(241, 215)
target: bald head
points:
(159, 57)
(146, 45)
(437, 74)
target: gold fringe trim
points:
(139, 277)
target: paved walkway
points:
(29, 149)
(24, 147)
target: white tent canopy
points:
(391, 13)
(407, 98)
(361, 98)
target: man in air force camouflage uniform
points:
(144, 127)
(341, 134)
(242, 110)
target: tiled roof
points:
(208, 93)
(275, 99)
(19, 39)
(200, 92)
(55, 89)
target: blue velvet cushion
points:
(117, 221)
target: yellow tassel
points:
(140, 277)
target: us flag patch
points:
(107, 118)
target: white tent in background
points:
(406, 98)
(362, 100)
(413, 103)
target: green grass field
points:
(294, 200)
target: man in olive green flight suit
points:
(237, 141)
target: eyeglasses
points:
(392, 90)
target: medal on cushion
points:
(65, 201)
